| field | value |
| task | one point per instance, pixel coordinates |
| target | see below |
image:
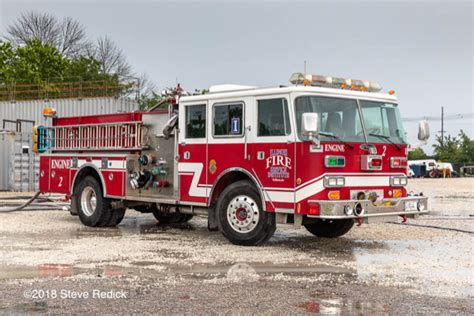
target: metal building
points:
(18, 164)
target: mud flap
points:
(73, 210)
(212, 219)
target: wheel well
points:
(84, 172)
(225, 181)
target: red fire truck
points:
(324, 153)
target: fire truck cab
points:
(324, 153)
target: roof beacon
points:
(334, 82)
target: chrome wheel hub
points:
(88, 201)
(243, 214)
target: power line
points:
(451, 117)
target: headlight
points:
(398, 181)
(331, 181)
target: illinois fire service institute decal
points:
(278, 165)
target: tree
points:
(417, 154)
(68, 35)
(31, 63)
(111, 58)
(454, 149)
(43, 48)
(467, 147)
(7, 58)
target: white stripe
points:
(318, 186)
(196, 168)
(111, 164)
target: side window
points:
(273, 117)
(228, 119)
(195, 121)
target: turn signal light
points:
(334, 195)
(397, 193)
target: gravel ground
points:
(50, 262)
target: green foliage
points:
(31, 63)
(85, 68)
(453, 149)
(150, 101)
(466, 147)
(417, 154)
(40, 71)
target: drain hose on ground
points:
(8, 210)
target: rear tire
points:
(241, 217)
(117, 217)
(330, 228)
(93, 208)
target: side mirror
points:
(423, 131)
(310, 125)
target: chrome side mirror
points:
(310, 126)
(423, 131)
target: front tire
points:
(241, 217)
(330, 228)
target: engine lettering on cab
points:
(334, 147)
(61, 163)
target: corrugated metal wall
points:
(33, 110)
(19, 167)
(6, 140)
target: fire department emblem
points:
(212, 166)
(279, 164)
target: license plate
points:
(410, 206)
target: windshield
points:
(338, 117)
(382, 119)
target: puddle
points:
(26, 308)
(142, 268)
(322, 305)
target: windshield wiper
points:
(387, 138)
(336, 137)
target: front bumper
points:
(410, 206)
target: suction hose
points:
(9, 210)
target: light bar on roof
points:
(334, 82)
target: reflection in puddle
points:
(339, 306)
(233, 272)
(26, 308)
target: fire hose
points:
(27, 203)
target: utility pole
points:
(442, 125)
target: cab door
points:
(273, 151)
(192, 149)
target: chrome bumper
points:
(410, 206)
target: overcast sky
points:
(423, 50)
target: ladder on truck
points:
(93, 137)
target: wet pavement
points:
(391, 268)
